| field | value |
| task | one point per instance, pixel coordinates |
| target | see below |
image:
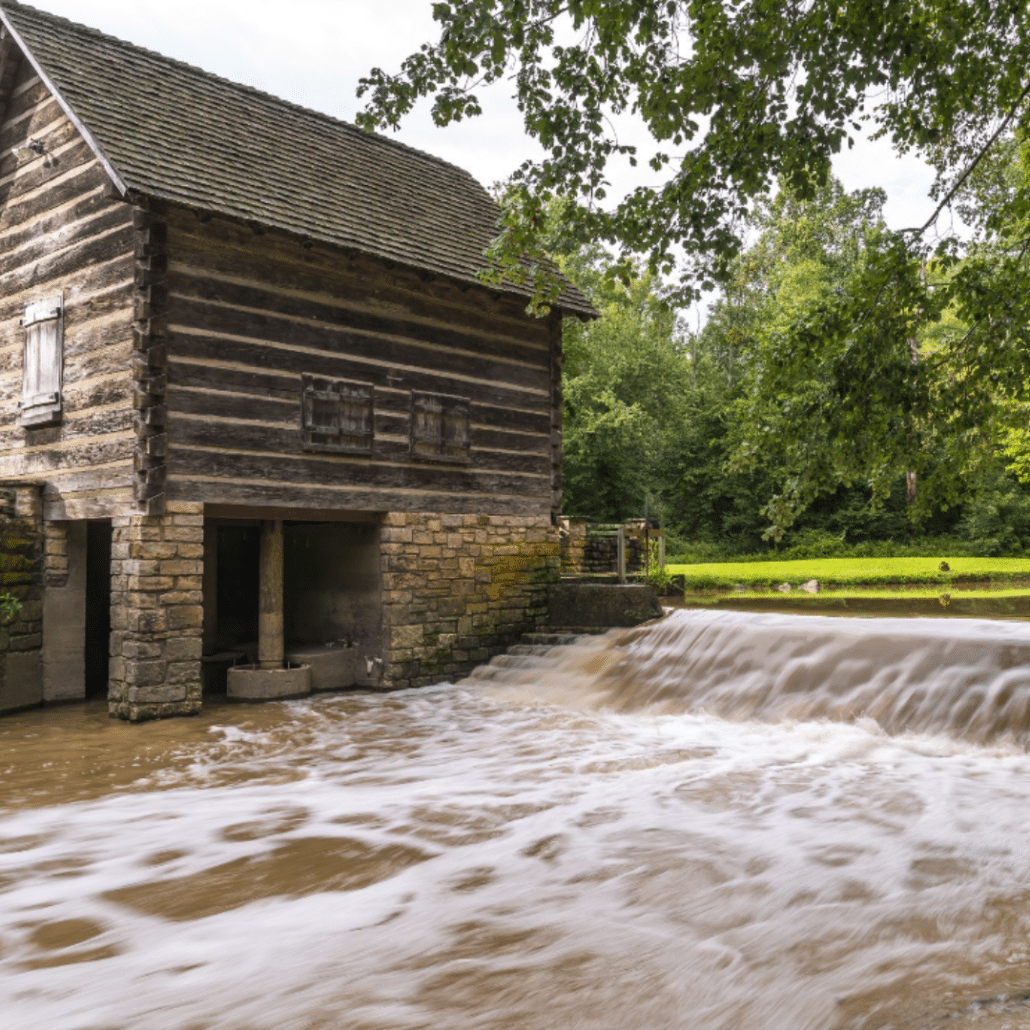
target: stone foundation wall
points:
(21, 637)
(458, 589)
(157, 613)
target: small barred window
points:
(337, 415)
(440, 427)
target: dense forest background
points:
(688, 421)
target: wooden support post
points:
(271, 645)
(622, 554)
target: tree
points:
(737, 98)
(626, 377)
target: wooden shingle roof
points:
(166, 129)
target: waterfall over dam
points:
(969, 679)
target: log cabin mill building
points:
(253, 397)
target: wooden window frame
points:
(351, 430)
(42, 379)
(441, 428)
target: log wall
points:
(63, 230)
(250, 312)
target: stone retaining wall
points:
(459, 589)
(21, 638)
(157, 613)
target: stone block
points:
(181, 567)
(21, 680)
(141, 649)
(144, 673)
(149, 584)
(602, 605)
(183, 534)
(184, 508)
(183, 649)
(175, 597)
(187, 616)
(183, 672)
(406, 636)
(157, 694)
(152, 549)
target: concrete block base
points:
(602, 605)
(252, 683)
(332, 668)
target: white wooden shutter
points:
(43, 362)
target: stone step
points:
(528, 648)
(518, 661)
(550, 639)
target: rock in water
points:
(811, 587)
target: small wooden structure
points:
(248, 366)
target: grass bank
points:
(842, 572)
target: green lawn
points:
(849, 571)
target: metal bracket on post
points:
(622, 554)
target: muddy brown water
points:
(725, 820)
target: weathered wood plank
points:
(314, 469)
(98, 451)
(80, 480)
(54, 220)
(100, 504)
(283, 386)
(27, 94)
(338, 339)
(28, 120)
(235, 252)
(91, 423)
(115, 246)
(387, 421)
(341, 366)
(56, 137)
(90, 351)
(292, 496)
(77, 396)
(340, 309)
(77, 234)
(39, 171)
(191, 432)
(75, 183)
(93, 293)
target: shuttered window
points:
(44, 356)
(440, 427)
(337, 415)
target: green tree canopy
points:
(740, 97)
(736, 96)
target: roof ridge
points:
(253, 91)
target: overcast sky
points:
(314, 51)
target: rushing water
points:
(707, 823)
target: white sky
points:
(314, 51)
